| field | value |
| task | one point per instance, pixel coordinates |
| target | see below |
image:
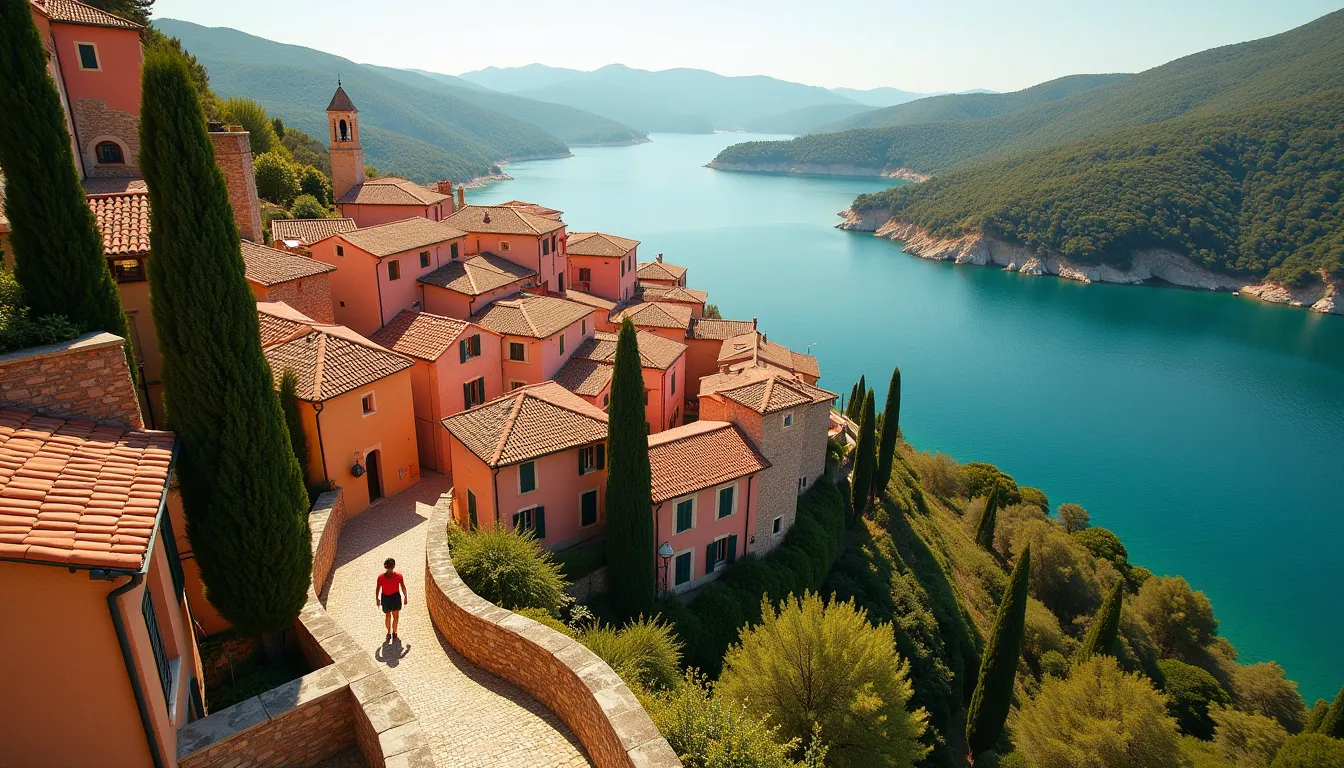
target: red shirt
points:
(389, 585)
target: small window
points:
(518, 351)
(473, 393)
(583, 327)
(340, 250)
(788, 419)
(685, 515)
(471, 509)
(606, 399)
(527, 477)
(720, 550)
(682, 574)
(128, 270)
(727, 501)
(622, 269)
(545, 247)
(469, 348)
(424, 258)
(778, 525)
(394, 270)
(504, 245)
(562, 343)
(592, 458)
(516, 385)
(452, 250)
(366, 402)
(674, 384)
(532, 519)
(552, 242)
(109, 153)
(88, 56)
(585, 275)
(587, 508)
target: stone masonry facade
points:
(83, 378)
(309, 295)
(95, 123)
(233, 154)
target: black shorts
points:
(391, 602)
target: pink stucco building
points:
(753, 349)
(602, 265)
(534, 459)
(456, 368)
(675, 294)
(526, 239)
(667, 320)
(663, 364)
(377, 268)
(659, 272)
(538, 334)
(704, 342)
(463, 286)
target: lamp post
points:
(665, 552)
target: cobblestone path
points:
(471, 718)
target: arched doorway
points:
(373, 475)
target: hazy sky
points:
(933, 45)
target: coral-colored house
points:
(675, 294)
(356, 404)
(704, 342)
(705, 496)
(754, 349)
(539, 333)
(531, 241)
(377, 268)
(659, 272)
(534, 459)
(456, 368)
(667, 320)
(602, 265)
(604, 308)
(463, 286)
(663, 364)
(300, 282)
(298, 234)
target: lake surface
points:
(1206, 430)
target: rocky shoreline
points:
(1145, 266)
(817, 169)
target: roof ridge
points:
(319, 365)
(768, 391)
(508, 426)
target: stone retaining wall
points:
(585, 588)
(348, 700)
(560, 672)
(86, 378)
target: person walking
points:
(390, 594)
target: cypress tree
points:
(998, 667)
(58, 251)
(1332, 724)
(242, 489)
(984, 532)
(853, 398)
(289, 402)
(1105, 629)
(891, 424)
(630, 546)
(865, 459)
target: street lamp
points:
(665, 552)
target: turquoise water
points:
(1206, 430)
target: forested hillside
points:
(1305, 60)
(1254, 193)
(418, 132)
(806, 119)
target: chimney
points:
(233, 155)
(660, 258)
(753, 323)
(443, 187)
(486, 218)
(461, 199)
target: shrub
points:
(1035, 497)
(1179, 619)
(314, 182)
(939, 474)
(1062, 573)
(1041, 634)
(1074, 517)
(1053, 664)
(277, 181)
(508, 569)
(817, 665)
(1103, 545)
(1265, 689)
(1101, 717)
(252, 117)
(307, 207)
(980, 477)
(720, 616)
(1190, 690)
(1310, 750)
(1246, 740)
(643, 652)
(18, 329)
(707, 731)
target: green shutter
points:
(580, 455)
(601, 455)
(527, 477)
(476, 344)
(709, 559)
(539, 521)
(466, 395)
(683, 573)
(588, 511)
(732, 549)
(462, 351)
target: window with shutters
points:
(722, 552)
(471, 509)
(424, 258)
(592, 458)
(469, 347)
(527, 477)
(727, 501)
(518, 351)
(473, 393)
(552, 242)
(531, 519)
(394, 270)
(562, 343)
(545, 247)
(682, 571)
(452, 250)
(685, 514)
(588, 508)
(585, 275)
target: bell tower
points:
(347, 157)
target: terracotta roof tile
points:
(390, 190)
(478, 275)
(502, 220)
(309, 231)
(753, 348)
(584, 377)
(524, 314)
(596, 302)
(660, 270)
(652, 314)
(598, 244)
(399, 236)
(422, 335)
(330, 360)
(272, 266)
(73, 12)
(699, 455)
(279, 321)
(123, 220)
(528, 422)
(533, 208)
(79, 493)
(710, 328)
(675, 293)
(340, 102)
(763, 389)
(654, 350)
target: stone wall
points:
(558, 671)
(584, 588)
(309, 295)
(348, 700)
(84, 378)
(95, 123)
(233, 155)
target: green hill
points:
(1305, 60)
(626, 105)
(1253, 193)
(880, 97)
(420, 132)
(806, 119)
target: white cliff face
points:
(1155, 264)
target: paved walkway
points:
(471, 718)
